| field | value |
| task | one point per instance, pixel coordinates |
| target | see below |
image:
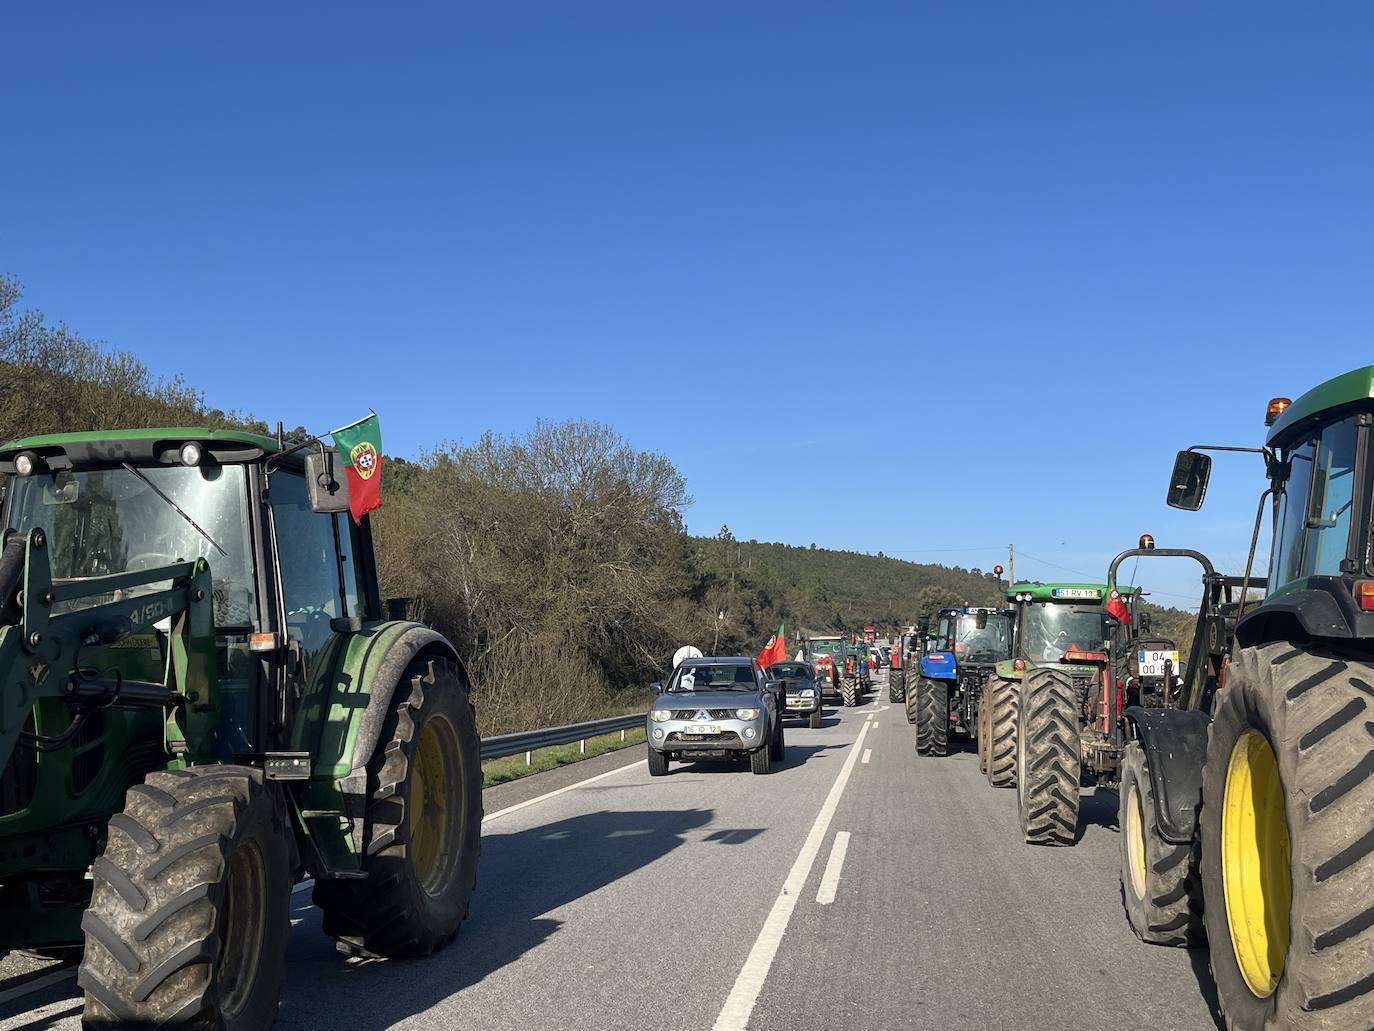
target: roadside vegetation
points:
(557, 560)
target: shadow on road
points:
(1100, 809)
(796, 755)
(523, 876)
(1202, 970)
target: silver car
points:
(718, 708)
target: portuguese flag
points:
(360, 447)
(776, 648)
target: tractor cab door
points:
(321, 593)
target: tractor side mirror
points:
(1188, 484)
(981, 621)
(325, 483)
(1145, 623)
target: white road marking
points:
(571, 787)
(734, 1015)
(868, 754)
(830, 879)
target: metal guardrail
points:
(528, 740)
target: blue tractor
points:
(968, 643)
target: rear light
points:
(1364, 595)
(266, 642)
(1078, 655)
(1019, 664)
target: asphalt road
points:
(859, 886)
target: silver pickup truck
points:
(716, 708)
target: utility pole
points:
(1011, 563)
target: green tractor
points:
(203, 701)
(1036, 701)
(1274, 773)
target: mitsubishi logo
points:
(702, 714)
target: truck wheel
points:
(1159, 880)
(1287, 849)
(815, 721)
(1000, 699)
(658, 762)
(761, 759)
(896, 685)
(190, 904)
(849, 691)
(1047, 758)
(779, 743)
(423, 825)
(932, 716)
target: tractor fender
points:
(1175, 746)
(939, 666)
(342, 716)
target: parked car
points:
(801, 695)
(716, 708)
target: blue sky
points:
(887, 253)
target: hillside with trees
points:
(558, 560)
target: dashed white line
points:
(734, 1015)
(868, 754)
(830, 880)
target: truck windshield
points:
(104, 521)
(712, 678)
(990, 644)
(1051, 630)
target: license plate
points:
(702, 728)
(1084, 593)
(1152, 662)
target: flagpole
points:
(356, 422)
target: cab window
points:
(1330, 500)
(1286, 564)
(307, 557)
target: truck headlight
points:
(808, 693)
(660, 715)
(746, 714)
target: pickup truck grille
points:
(715, 714)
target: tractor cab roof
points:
(1351, 390)
(1034, 590)
(154, 445)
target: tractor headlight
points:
(660, 715)
(24, 464)
(746, 714)
(190, 453)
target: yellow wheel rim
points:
(1255, 863)
(1135, 841)
(431, 782)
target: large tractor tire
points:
(999, 700)
(849, 690)
(1287, 845)
(191, 904)
(932, 716)
(913, 678)
(1048, 761)
(1160, 886)
(423, 824)
(896, 686)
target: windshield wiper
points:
(176, 508)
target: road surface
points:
(858, 886)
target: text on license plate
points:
(702, 728)
(1152, 662)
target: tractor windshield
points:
(1051, 630)
(835, 647)
(990, 644)
(104, 521)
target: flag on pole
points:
(360, 447)
(1117, 609)
(776, 648)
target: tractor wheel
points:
(1159, 880)
(658, 762)
(1287, 849)
(932, 716)
(984, 733)
(191, 904)
(914, 678)
(1047, 758)
(896, 685)
(849, 690)
(1000, 701)
(424, 819)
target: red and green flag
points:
(776, 648)
(1117, 608)
(360, 447)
